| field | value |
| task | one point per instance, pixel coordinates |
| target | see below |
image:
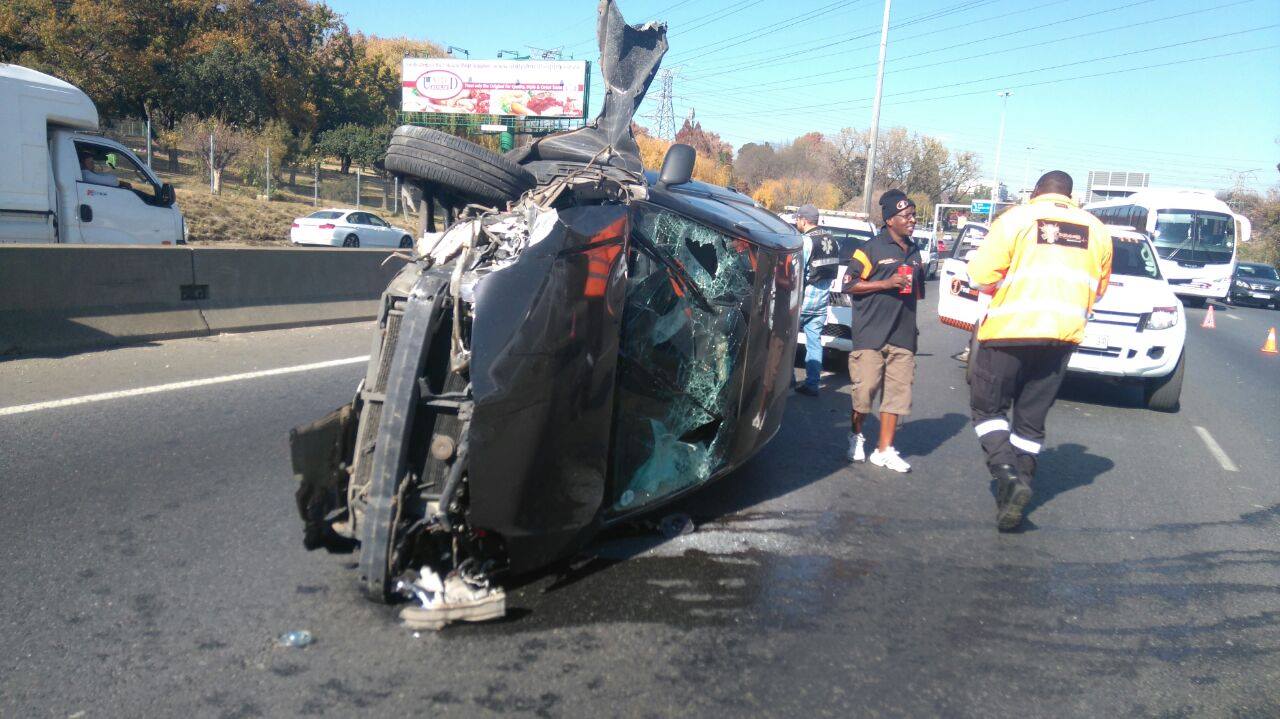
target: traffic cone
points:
(1270, 345)
(1208, 319)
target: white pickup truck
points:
(1136, 332)
(63, 184)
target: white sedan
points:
(347, 228)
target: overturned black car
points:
(607, 341)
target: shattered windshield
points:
(684, 328)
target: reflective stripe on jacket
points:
(1048, 261)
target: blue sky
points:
(1185, 91)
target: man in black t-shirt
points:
(886, 279)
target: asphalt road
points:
(150, 555)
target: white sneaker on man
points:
(889, 459)
(857, 448)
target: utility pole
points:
(868, 183)
(1026, 167)
(995, 181)
(211, 188)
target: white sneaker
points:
(857, 450)
(889, 459)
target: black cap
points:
(892, 202)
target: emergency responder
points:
(1043, 264)
(885, 278)
(821, 262)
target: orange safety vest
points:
(1047, 261)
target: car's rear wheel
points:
(1163, 394)
(406, 242)
(461, 167)
(351, 241)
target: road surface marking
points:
(1216, 450)
(53, 404)
(1230, 317)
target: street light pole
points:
(875, 115)
(1027, 166)
(995, 181)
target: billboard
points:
(531, 88)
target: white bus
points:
(1195, 236)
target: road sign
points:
(982, 207)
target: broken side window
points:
(684, 330)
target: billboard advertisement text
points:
(533, 88)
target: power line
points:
(747, 89)
(1045, 68)
(769, 29)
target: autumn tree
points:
(214, 144)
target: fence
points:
(319, 185)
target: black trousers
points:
(1026, 378)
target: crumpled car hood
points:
(629, 59)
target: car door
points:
(109, 211)
(386, 236)
(958, 302)
(360, 226)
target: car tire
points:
(1163, 394)
(464, 168)
(406, 242)
(351, 241)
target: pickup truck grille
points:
(1132, 320)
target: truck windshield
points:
(1195, 236)
(1134, 258)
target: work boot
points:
(1012, 496)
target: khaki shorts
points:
(890, 367)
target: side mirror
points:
(677, 166)
(167, 195)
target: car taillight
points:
(296, 225)
(942, 246)
(327, 226)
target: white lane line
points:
(53, 404)
(1230, 317)
(1216, 450)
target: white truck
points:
(1136, 333)
(61, 183)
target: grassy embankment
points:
(237, 218)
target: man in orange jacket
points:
(1044, 264)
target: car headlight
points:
(1162, 318)
(1242, 284)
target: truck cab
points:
(70, 185)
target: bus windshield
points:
(1195, 236)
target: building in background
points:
(1105, 185)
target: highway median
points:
(63, 299)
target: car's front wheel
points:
(1162, 394)
(351, 241)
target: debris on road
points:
(459, 597)
(296, 639)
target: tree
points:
(352, 143)
(753, 165)
(778, 193)
(228, 145)
(705, 143)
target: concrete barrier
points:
(61, 298)
(57, 297)
(260, 288)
